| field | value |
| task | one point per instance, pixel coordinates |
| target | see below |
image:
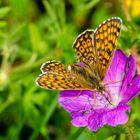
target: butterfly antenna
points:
(108, 98)
(112, 82)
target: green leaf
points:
(4, 11)
(44, 119)
(76, 134)
(37, 44)
(3, 24)
(111, 138)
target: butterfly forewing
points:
(105, 38)
(83, 46)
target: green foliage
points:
(32, 32)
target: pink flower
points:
(110, 109)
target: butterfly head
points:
(100, 88)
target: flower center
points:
(113, 98)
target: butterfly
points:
(94, 49)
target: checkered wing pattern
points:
(94, 49)
(105, 38)
(56, 76)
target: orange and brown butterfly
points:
(94, 49)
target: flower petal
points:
(115, 72)
(80, 118)
(75, 100)
(112, 117)
(117, 66)
(130, 72)
(95, 120)
(132, 91)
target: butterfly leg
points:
(76, 96)
(94, 96)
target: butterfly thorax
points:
(86, 77)
(100, 87)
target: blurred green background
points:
(35, 31)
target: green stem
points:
(130, 132)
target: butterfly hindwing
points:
(53, 66)
(56, 81)
(56, 76)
